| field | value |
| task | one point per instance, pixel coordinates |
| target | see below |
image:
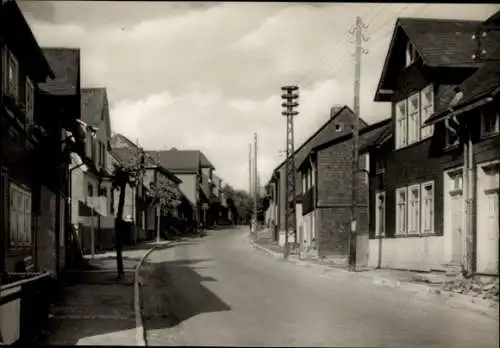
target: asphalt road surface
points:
(217, 290)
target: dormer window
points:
(411, 54)
(490, 122)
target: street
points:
(217, 290)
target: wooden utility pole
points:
(357, 30)
(255, 188)
(250, 189)
(158, 210)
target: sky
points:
(207, 76)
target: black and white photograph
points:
(244, 173)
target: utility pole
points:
(290, 95)
(158, 211)
(250, 169)
(255, 180)
(353, 236)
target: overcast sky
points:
(208, 75)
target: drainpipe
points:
(469, 242)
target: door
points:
(457, 230)
(487, 219)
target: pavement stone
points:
(97, 309)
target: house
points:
(326, 174)
(138, 209)
(23, 67)
(473, 193)
(416, 195)
(195, 171)
(59, 98)
(91, 186)
(338, 124)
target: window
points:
(90, 190)
(12, 75)
(380, 214)
(414, 209)
(20, 216)
(411, 54)
(310, 178)
(414, 118)
(304, 181)
(427, 109)
(401, 120)
(339, 127)
(428, 207)
(30, 100)
(489, 122)
(401, 211)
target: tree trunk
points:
(119, 231)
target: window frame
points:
(401, 119)
(378, 218)
(411, 54)
(495, 115)
(426, 111)
(413, 230)
(23, 234)
(433, 207)
(413, 114)
(12, 88)
(30, 107)
(399, 232)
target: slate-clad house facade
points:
(415, 189)
(59, 98)
(326, 175)
(475, 109)
(23, 66)
(339, 124)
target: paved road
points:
(219, 291)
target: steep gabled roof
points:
(365, 134)
(303, 150)
(376, 138)
(65, 63)
(483, 83)
(182, 161)
(493, 20)
(131, 156)
(20, 35)
(439, 43)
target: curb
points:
(487, 308)
(139, 327)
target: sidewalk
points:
(95, 308)
(479, 295)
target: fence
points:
(24, 306)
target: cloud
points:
(207, 76)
